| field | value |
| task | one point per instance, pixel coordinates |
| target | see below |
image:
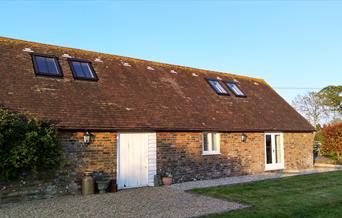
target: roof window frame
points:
(226, 82)
(74, 74)
(36, 69)
(211, 86)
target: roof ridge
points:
(12, 40)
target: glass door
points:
(274, 151)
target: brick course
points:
(99, 155)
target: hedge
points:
(331, 136)
(28, 146)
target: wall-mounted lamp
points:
(86, 138)
(243, 137)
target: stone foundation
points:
(38, 189)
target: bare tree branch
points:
(311, 106)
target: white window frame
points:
(210, 150)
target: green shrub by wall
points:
(27, 146)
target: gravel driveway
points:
(141, 202)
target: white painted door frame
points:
(274, 165)
(136, 159)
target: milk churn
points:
(87, 185)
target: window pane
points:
(235, 89)
(210, 141)
(277, 148)
(205, 142)
(86, 70)
(41, 65)
(268, 149)
(46, 65)
(83, 70)
(217, 86)
(51, 64)
(214, 142)
(77, 69)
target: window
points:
(46, 65)
(215, 84)
(82, 69)
(235, 89)
(211, 143)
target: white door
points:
(136, 159)
(274, 151)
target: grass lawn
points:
(316, 195)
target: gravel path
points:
(141, 202)
(248, 178)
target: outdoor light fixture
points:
(243, 137)
(86, 138)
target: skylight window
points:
(235, 89)
(216, 85)
(82, 69)
(46, 65)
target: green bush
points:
(27, 146)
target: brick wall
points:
(298, 150)
(181, 154)
(99, 155)
(249, 155)
(177, 152)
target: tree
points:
(311, 106)
(332, 98)
(332, 140)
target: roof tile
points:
(136, 97)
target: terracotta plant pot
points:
(167, 180)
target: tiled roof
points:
(133, 94)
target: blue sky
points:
(288, 43)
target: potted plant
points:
(101, 180)
(102, 183)
(167, 178)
